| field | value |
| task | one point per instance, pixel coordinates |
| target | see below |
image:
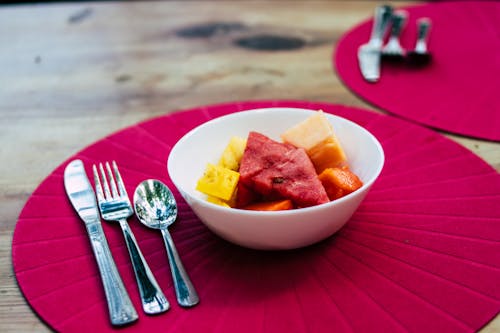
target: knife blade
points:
(369, 53)
(82, 197)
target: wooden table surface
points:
(72, 73)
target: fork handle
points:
(152, 298)
(398, 20)
(121, 310)
(184, 289)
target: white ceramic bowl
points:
(278, 229)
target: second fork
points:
(393, 49)
(115, 205)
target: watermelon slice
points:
(260, 153)
(279, 170)
(245, 195)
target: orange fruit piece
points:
(315, 134)
(339, 182)
(271, 205)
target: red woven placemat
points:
(421, 254)
(458, 91)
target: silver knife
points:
(369, 53)
(82, 197)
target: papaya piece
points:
(271, 205)
(327, 154)
(339, 182)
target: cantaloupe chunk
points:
(231, 156)
(315, 134)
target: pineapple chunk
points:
(218, 201)
(316, 136)
(218, 181)
(225, 203)
(231, 156)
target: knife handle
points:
(121, 310)
(381, 21)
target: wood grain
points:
(72, 73)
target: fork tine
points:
(98, 186)
(107, 192)
(119, 181)
(112, 182)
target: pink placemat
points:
(458, 91)
(421, 254)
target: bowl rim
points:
(366, 185)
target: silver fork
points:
(393, 49)
(115, 205)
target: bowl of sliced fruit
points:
(275, 178)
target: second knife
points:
(369, 53)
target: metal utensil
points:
(115, 205)
(393, 50)
(81, 195)
(420, 54)
(155, 206)
(369, 53)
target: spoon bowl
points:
(156, 208)
(155, 204)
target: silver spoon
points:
(155, 207)
(421, 55)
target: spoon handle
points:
(152, 298)
(184, 289)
